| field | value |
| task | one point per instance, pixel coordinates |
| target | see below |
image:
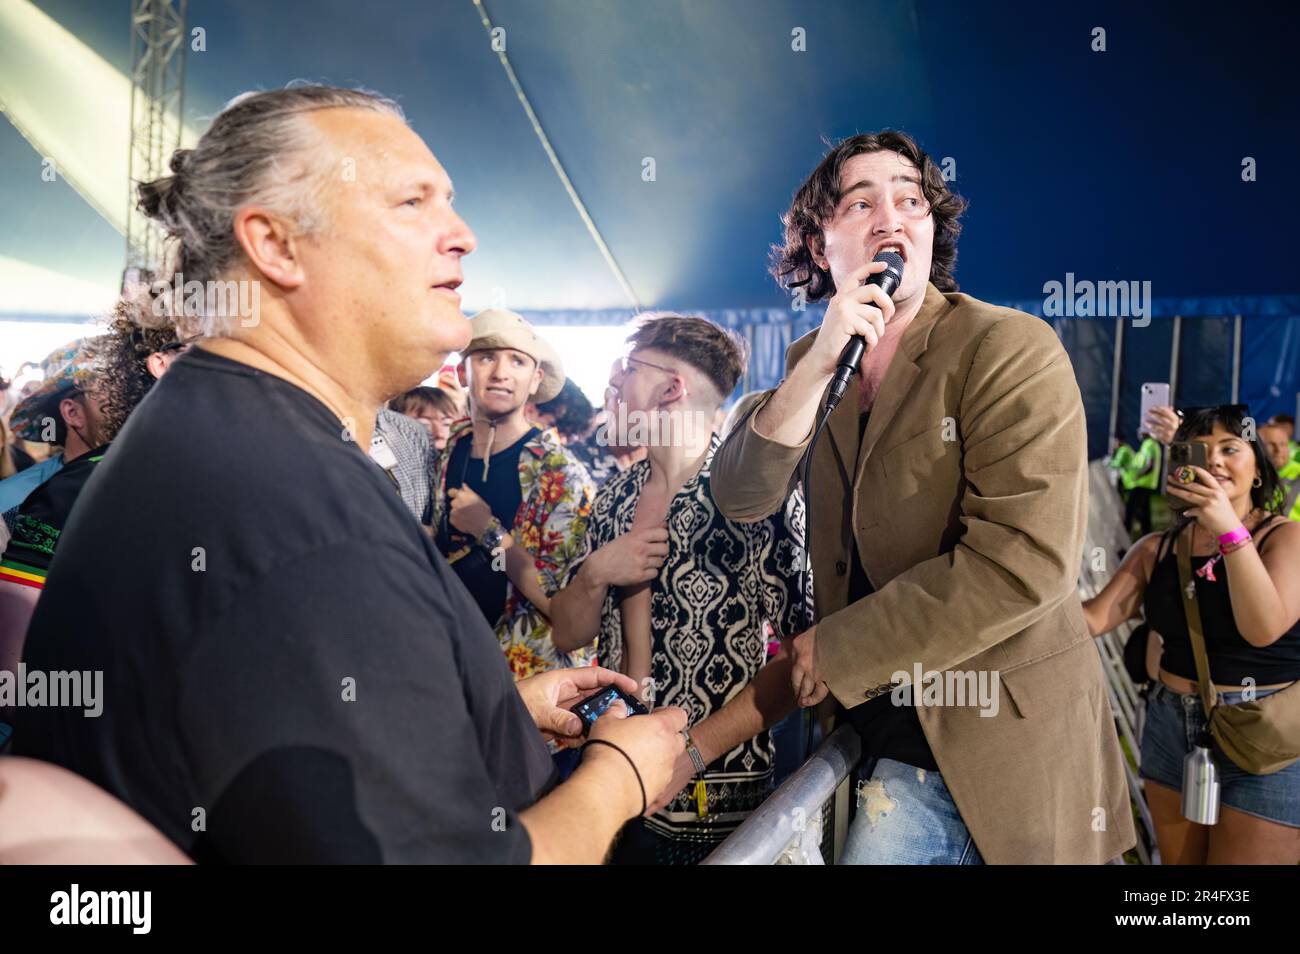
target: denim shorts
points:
(1173, 724)
(905, 816)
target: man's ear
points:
(461, 374)
(156, 364)
(675, 390)
(270, 245)
(817, 248)
(538, 375)
(73, 413)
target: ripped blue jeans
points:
(905, 816)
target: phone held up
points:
(1183, 454)
(1154, 394)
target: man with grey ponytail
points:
(292, 673)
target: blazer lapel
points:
(902, 372)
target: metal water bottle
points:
(1200, 785)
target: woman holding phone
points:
(1246, 573)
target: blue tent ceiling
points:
(48, 223)
(1116, 165)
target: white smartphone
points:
(1154, 394)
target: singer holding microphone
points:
(948, 509)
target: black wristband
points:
(644, 803)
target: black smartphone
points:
(1185, 453)
(593, 707)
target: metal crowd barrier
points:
(1107, 541)
(804, 821)
(790, 826)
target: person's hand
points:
(804, 679)
(549, 697)
(856, 309)
(683, 773)
(470, 513)
(1162, 423)
(1210, 504)
(653, 742)
(635, 557)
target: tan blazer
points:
(967, 502)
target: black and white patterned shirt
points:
(600, 463)
(721, 586)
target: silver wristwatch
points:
(491, 538)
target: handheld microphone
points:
(889, 280)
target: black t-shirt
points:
(40, 519)
(888, 730)
(291, 671)
(503, 494)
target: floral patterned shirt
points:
(551, 524)
(722, 586)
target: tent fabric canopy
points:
(685, 128)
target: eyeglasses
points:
(627, 360)
(627, 363)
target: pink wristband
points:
(1240, 535)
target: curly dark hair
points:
(793, 263)
(571, 410)
(122, 377)
(1200, 422)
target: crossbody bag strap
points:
(1183, 547)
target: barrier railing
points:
(790, 826)
(1108, 539)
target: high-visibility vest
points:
(1120, 460)
(1147, 459)
(1290, 475)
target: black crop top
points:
(1232, 659)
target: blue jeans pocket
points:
(906, 816)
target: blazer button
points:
(871, 693)
(841, 567)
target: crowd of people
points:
(343, 615)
